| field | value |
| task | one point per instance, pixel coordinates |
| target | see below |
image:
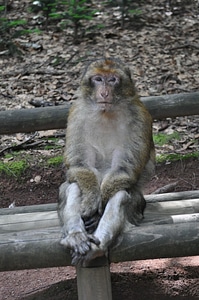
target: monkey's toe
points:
(85, 260)
(91, 223)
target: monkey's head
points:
(106, 83)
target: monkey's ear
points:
(128, 73)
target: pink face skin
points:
(104, 87)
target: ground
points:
(159, 279)
(160, 47)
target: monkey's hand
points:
(79, 243)
(84, 260)
(114, 182)
(90, 191)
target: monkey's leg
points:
(74, 236)
(110, 226)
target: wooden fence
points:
(29, 120)
(29, 236)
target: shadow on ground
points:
(127, 286)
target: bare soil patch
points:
(25, 191)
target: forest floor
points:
(160, 46)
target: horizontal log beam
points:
(29, 237)
(154, 212)
(41, 248)
(29, 120)
(172, 196)
(149, 198)
(29, 209)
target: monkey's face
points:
(106, 83)
(103, 87)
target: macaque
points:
(109, 155)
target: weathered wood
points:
(32, 249)
(172, 196)
(29, 238)
(28, 221)
(41, 249)
(149, 198)
(28, 209)
(185, 104)
(34, 119)
(94, 282)
(28, 120)
(45, 219)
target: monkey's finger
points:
(77, 259)
(91, 223)
(65, 243)
(94, 219)
(93, 239)
(91, 227)
(82, 248)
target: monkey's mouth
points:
(104, 103)
(104, 106)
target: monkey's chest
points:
(103, 142)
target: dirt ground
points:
(158, 279)
(176, 278)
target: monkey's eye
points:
(113, 80)
(97, 79)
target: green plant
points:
(13, 168)
(9, 30)
(126, 8)
(75, 12)
(54, 161)
(163, 138)
(175, 157)
(48, 7)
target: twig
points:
(167, 188)
(19, 146)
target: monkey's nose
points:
(104, 94)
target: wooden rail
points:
(170, 229)
(29, 120)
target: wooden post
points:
(94, 282)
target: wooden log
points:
(29, 120)
(173, 105)
(94, 282)
(28, 221)
(172, 196)
(31, 240)
(45, 219)
(41, 249)
(28, 209)
(149, 198)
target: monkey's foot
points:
(85, 260)
(79, 243)
(91, 223)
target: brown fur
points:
(109, 149)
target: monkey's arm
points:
(74, 235)
(80, 163)
(132, 162)
(89, 187)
